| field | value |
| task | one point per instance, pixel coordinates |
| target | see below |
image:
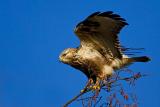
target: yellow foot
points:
(95, 87)
(82, 91)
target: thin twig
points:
(85, 98)
(98, 101)
(73, 99)
(85, 90)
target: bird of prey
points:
(100, 53)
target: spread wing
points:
(100, 31)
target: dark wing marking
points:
(99, 31)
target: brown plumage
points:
(99, 53)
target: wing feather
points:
(100, 31)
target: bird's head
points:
(67, 55)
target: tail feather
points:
(128, 61)
(141, 59)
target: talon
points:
(82, 91)
(95, 87)
(98, 87)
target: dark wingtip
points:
(109, 14)
(114, 16)
(105, 14)
(94, 14)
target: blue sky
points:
(34, 32)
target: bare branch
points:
(85, 90)
(114, 91)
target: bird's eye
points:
(64, 54)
